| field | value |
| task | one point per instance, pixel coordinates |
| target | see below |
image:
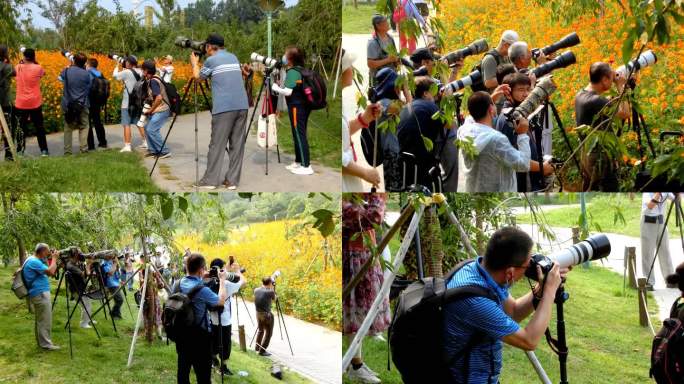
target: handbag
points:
(267, 123)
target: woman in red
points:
(29, 102)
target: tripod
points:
(237, 309)
(266, 108)
(281, 319)
(679, 216)
(545, 124)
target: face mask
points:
(284, 60)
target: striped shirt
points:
(463, 318)
(227, 88)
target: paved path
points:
(177, 173)
(317, 349)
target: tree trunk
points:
(432, 240)
(149, 297)
(480, 238)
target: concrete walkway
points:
(317, 349)
(177, 173)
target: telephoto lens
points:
(198, 46)
(275, 275)
(566, 41)
(644, 60)
(563, 60)
(593, 248)
(544, 88)
(477, 46)
(99, 255)
(119, 59)
(269, 62)
(22, 48)
(474, 77)
(68, 55)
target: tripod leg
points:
(284, 326)
(123, 288)
(256, 106)
(140, 316)
(59, 285)
(246, 308)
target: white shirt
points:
(231, 289)
(349, 183)
(658, 209)
(166, 72)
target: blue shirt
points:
(113, 280)
(203, 298)
(94, 73)
(34, 274)
(462, 318)
(79, 86)
(227, 88)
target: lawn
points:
(357, 20)
(324, 133)
(98, 361)
(602, 209)
(605, 341)
(100, 171)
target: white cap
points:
(509, 36)
(348, 59)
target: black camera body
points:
(199, 47)
(538, 260)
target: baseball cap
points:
(215, 39)
(509, 36)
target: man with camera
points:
(495, 58)
(652, 227)
(521, 86)
(110, 268)
(221, 328)
(475, 328)
(228, 113)
(129, 76)
(36, 270)
(77, 274)
(98, 99)
(600, 171)
(76, 102)
(156, 108)
(263, 297)
(492, 164)
(194, 346)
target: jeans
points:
(43, 326)
(96, 123)
(153, 132)
(299, 116)
(81, 125)
(265, 323)
(194, 351)
(36, 117)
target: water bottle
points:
(309, 94)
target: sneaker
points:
(126, 148)
(86, 326)
(292, 166)
(52, 347)
(150, 154)
(165, 156)
(204, 186)
(363, 374)
(264, 353)
(44, 153)
(302, 171)
(229, 186)
(143, 145)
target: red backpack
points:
(667, 353)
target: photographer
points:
(76, 103)
(36, 270)
(78, 272)
(297, 109)
(6, 74)
(377, 57)
(158, 111)
(521, 86)
(28, 104)
(475, 327)
(110, 268)
(222, 336)
(97, 102)
(194, 347)
(165, 66)
(492, 166)
(521, 57)
(651, 227)
(495, 58)
(228, 113)
(129, 76)
(589, 110)
(415, 123)
(263, 297)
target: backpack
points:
(415, 334)
(667, 352)
(136, 96)
(178, 315)
(19, 285)
(174, 99)
(479, 86)
(314, 89)
(99, 91)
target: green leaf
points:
(183, 203)
(166, 208)
(325, 222)
(246, 195)
(428, 143)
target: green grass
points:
(605, 341)
(602, 210)
(357, 20)
(324, 133)
(98, 361)
(100, 171)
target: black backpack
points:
(174, 99)
(667, 352)
(314, 89)
(178, 315)
(136, 96)
(479, 86)
(99, 91)
(415, 335)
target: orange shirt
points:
(28, 86)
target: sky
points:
(127, 5)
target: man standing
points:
(263, 296)
(652, 226)
(99, 92)
(129, 76)
(76, 103)
(111, 269)
(157, 113)
(29, 101)
(6, 74)
(35, 272)
(379, 55)
(495, 58)
(228, 113)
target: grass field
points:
(357, 20)
(100, 171)
(324, 133)
(602, 209)
(98, 361)
(605, 341)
